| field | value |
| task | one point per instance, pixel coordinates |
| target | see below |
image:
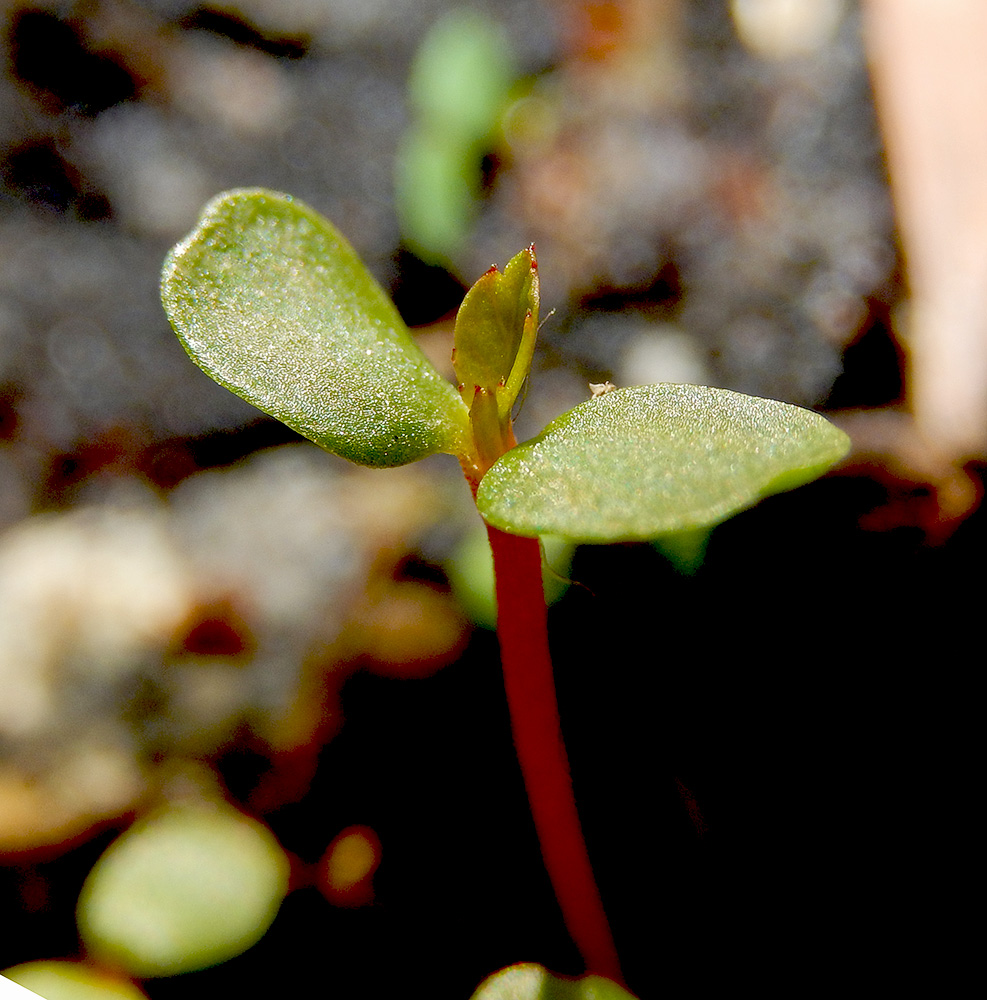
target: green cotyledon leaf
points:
(528, 981)
(69, 980)
(273, 303)
(187, 887)
(640, 462)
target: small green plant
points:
(192, 884)
(273, 303)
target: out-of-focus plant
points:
(191, 884)
(459, 86)
(527, 981)
(470, 570)
(185, 888)
(67, 980)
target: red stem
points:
(522, 627)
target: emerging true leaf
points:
(496, 328)
(272, 302)
(640, 462)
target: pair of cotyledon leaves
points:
(273, 303)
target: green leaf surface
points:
(273, 303)
(57, 980)
(186, 888)
(528, 981)
(639, 462)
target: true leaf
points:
(273, 303)
(495, 330)
(636, 463)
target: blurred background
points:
(779, 197)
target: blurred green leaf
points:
(685, 549)
(272, 302)
(462, 74)
(436, 192)
(186, 888)
(528, 981)
(458, 87)
(71, 981)
(471, 574)
(640, 462)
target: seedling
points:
(273, 303)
